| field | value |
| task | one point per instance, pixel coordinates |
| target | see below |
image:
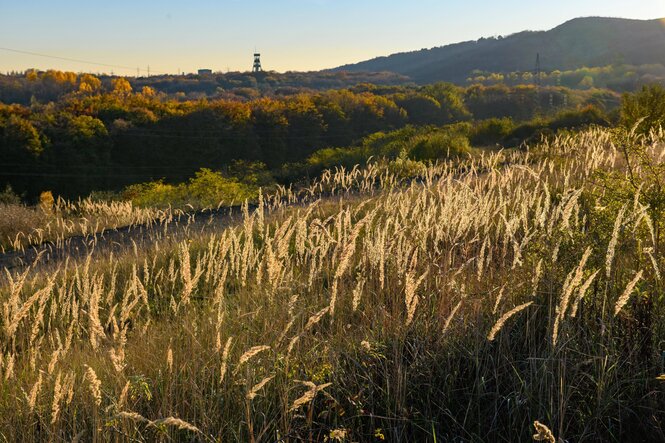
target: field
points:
(486, 299)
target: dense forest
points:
(104, 134)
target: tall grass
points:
(460, 306)
(22, 226)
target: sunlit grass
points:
(463, 304)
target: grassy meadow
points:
(504, 297)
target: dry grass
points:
(16, 221)
(379, 304)
(22, 226)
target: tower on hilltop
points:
(257, 63)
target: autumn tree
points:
(121, 86)
(88, 83)
(148, 91)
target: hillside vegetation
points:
(105, 136)
(460, 301)
(579, 43)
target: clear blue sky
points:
(291, 34)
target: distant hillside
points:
(580, 42)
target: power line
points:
(88, 62)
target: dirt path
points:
(118, 240)
(121, 239)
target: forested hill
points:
(580, 42)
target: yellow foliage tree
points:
(121, 86)
(31, 75)
(89, 83)
(85, 87)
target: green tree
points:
(450, 99)
(421, 109)
(644, 110)
(21, 134)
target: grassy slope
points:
(366, 316)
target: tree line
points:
(106, 137)
(616, 77)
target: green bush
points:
(206, 189)
(590, 115)
(416, 143)
(644, 110)
(441, 144)
(406, 168)
(491, 131)
(330, 157)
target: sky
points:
(172, 36)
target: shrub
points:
(644, 110)
(9, 197)
(422, 143)
(442, 144)
(589, 115)
(206, 189)
(491, 131)
(330, 157)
